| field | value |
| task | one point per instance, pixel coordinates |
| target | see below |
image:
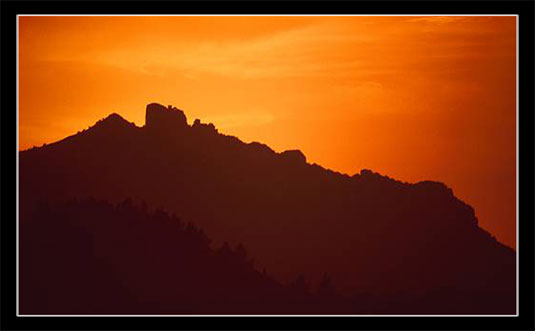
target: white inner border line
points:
(277, 15)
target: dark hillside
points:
(371, 233)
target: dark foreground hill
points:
(91, 257)
(371, 233)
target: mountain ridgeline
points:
(372, 234)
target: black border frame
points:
(525, 10)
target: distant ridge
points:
(371, 233)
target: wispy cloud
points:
(356, 52)
(298, 52)
(437, 19)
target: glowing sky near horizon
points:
(414, 98)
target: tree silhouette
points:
(326, 288)
(300, 284)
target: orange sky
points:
(414, 98)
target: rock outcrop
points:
(165, 119)
(294, 156)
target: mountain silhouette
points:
(399, 242)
